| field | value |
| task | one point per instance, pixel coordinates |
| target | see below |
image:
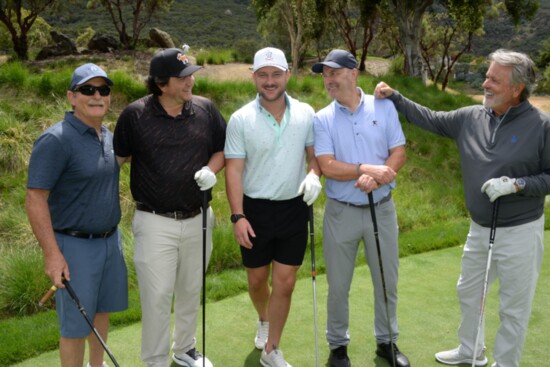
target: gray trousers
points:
(343, 229)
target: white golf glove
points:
(497, 187)
(311, 188)
(205, 178)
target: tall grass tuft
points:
(14, 74)
(22, 282)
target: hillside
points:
(221, 23)
(199, 23)
(527, 37)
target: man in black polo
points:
(175, 143)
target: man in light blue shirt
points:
(266, 147)
(359, 145)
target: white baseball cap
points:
(270, 56)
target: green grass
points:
(428, 312)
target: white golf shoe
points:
(191, 358)
(261, 334)
(454, 356)
(103, 365)
(274, 359)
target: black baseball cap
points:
(171, 62)
(336, 59)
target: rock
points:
(161, 38)
(103, 43)
(62, 46)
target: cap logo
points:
(269, 56)
(183, 58)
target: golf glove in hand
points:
(497, 187)
(310, 187)
(205, 178)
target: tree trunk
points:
(408, 17)
(21, 47)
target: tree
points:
(298, 17)
(139, 12)
(354, 20)
(408, 16)
(19, 16)
(447, 35)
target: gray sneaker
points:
(273, 359)
(454, 356)
(261, 334)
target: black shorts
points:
(281, 231)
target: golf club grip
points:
(47, 296)
(71, 292)
(494, 221)
(312, 240)
(373, 213)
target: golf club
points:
(313, 274)
(204, 214)
(486, 281)
(83, 312)
(375, 229)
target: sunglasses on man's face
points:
(89, 90)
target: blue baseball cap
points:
(336, 59)
(86, 72)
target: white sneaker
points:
(191, 358)
(455, 357)
(261, 334)
(273, 359)
(103, 365)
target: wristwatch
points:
(236, 217)
(520, 184)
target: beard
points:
(275, 98)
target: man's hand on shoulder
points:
(382, 90)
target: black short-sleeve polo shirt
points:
(166, 151)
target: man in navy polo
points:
(73, 207)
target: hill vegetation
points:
(199, 23)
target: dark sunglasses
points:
(89, 90)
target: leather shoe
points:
(383, 350)
(339, 357)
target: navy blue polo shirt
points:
(81, 173)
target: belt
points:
(365, 206)
(177, 215)
(78, 234)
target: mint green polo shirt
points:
(274, 154)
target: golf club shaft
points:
(204, 224)
(313, 275)
(486, 280)
(47, 296)
(75, 299)
(375, 230)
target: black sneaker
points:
(339, 357)
(383, 350)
